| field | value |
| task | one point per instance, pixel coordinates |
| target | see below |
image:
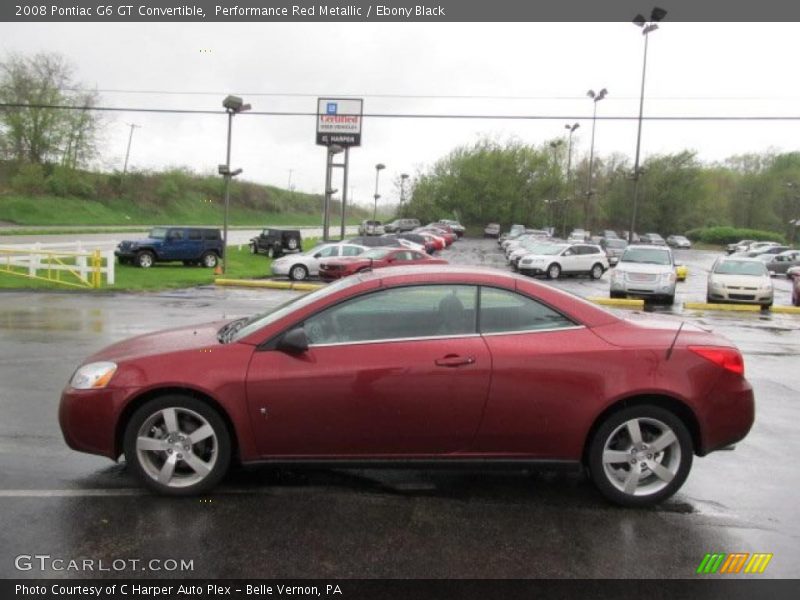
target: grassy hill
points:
(32, 195)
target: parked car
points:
(742, 280)
(515, 230)
(447, 236)
(779, 264)
(555, 260)
(191, 245)
(645, 272)
(740, 246)
(794, 274)
(375, 258)
(614, 248)
(492, 230)
(457, 227)
(530, 246)
(370, 227)
(633, 239)
(426, 242)
(679, 241)
(375, 242)
(609, 234)
(764, 250)
(401, 225)
(653, 239)
(306, 264)
(326, 378)
(276, 242)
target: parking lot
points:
(266, 522)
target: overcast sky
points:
(693, 70)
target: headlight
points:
(93, 376)
(616, 275)
(668, 277)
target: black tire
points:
(253, 248)
(766, 306)
(271, 253)
(597, 271)
(298, 273)
(209, 260)
(710, 300)
(675, 459)
(669, 300)
(191, 412)
(554, 271)
(145, 259)
(616, 295)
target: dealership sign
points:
(339, 121)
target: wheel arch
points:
(134, 404)
(670, 403)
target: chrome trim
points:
(393, 340)
(570, 328)
(445, 337)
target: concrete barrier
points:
(788, 310)
(723, 307)
(268, 284)
(618, 302)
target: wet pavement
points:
(266, 522)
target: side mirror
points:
(294, 341)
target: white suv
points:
(568, 259)
(646, 272)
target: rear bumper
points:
(729, 413)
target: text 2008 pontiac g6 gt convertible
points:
(417, 366)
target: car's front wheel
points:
(145, 259)
(640, 456)
(298, 273)
(177, 445)
(554, 271)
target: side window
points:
(211, 234)
(406, 255)
(351, 251)
(175, 235)
(195, 234)
(504, 311)
(421, 311)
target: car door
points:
(398, 371)
(326, 252)
(570, 260)
(545, 368)
(193, 245)
(173, 245)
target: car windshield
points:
(680, 238)
(241, 328)
(158, 233)
(651, 256)
(376, 253)
(740, 267)
(550, 249)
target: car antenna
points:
(675, 339)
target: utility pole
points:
(128, 151)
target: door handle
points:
(455, 361)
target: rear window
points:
(194, 234)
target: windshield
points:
(651, 256)
(740, 267)
(158, 233)
(550, 250)
(248, 325)
(375, 254)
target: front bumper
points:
(280, 270)
(88, 419)
(741, 296)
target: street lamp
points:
(233, 105)
(571, 129)
(596, 97)
(378, 168)
(656, 15)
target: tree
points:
(38, 134)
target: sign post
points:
(338, 128)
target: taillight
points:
(728, 358)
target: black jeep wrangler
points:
(277, 242)
(191, 245)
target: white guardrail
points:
(82, 264)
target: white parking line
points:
(69, 493)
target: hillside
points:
(34, 195)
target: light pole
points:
(656, 15)
(233, 105)
(571, 129)
(378, 168)
(596, 97)
(403, 177)
(554, 146)
(128, 151)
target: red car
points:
(336, 268)
(417, 366)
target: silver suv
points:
(646, 272)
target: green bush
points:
(69, 182)
(730, 235)
(30, 179)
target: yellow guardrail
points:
(82, 269)
(619, 302)
(724, 307)
(268, 284)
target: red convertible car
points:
(336, 268)
(421, 367)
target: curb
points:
(620, 302)
(722, 307)
(274, 285)
(788, 310)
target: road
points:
(266, 522)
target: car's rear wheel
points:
(298, 273)
(145, 259)
(597, 271)
(554, 271)
(209, 259)
(640, 456)
(177, 445)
